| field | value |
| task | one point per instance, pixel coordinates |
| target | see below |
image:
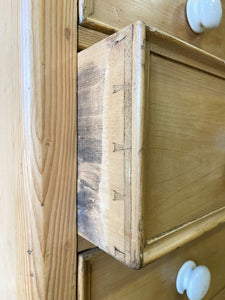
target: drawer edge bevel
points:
(172, 240)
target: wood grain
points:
(184, 152)
(165, 243)
(151, 143)
(170, 16)
(220, 295)
(88, 37)
(108, 279)
(38, 149)
(83, 244)
(101, 136)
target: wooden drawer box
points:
(102, 277)
(151, 143)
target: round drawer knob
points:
(195, 280)
(203, 14)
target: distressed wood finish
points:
(38, 149)
(151, 144)
(169, 16)
(105, 278)
(100, 143)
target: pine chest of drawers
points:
(151, 143)
(102, 277)
(109, 16)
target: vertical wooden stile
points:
(38, 149)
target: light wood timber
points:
(151, 152)
(88, 37)
(158, 246)
(220, 295)
(105, 278)
(38, 149)
(169, 16)
(83, 244)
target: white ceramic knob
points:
(195, 280)
(203, 14)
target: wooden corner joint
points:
(85, 10)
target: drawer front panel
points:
(151, 143)
(185, 145)
(105, 278)
(167, 15)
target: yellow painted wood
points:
(38, 149)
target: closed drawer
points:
(151, 143)
(168, 15)
(102, 277)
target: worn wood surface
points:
(88, 37)
(108, 279)
(38, 149)
(169, 16)
(173, 166)
(104, 136)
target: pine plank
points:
(38, 149)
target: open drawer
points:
(151, 143)
(102, 277)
